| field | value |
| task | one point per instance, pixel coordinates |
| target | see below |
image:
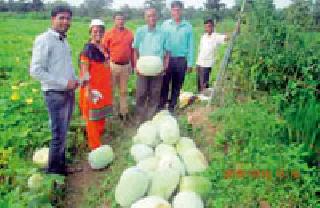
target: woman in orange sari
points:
(96, 85)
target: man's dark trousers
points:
(175, 75)
(203, 76)
(60, 105)
(147, 96)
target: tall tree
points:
(159, 5)
(96, 8)
(51, 5)
(300, 13)
(3, 6)
(316, 12)
(214, 9)
(21, 6)
(58, 2)
(193, 13)
(37, 5)
(127, 11)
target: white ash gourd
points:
(150, 65)
(167, 168)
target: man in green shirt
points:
(180, 37)
(149, 41)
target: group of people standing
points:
(106, 62)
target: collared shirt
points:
(207, 48)
(150, 42)
(118, 44)
(51, 61)
(180, 38)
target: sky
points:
(195, 3)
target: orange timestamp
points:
(261, 174)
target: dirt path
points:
(199, 118)
(78, 184)
(81, 185)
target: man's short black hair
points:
(208, 21)
(121, 14)
(59, 9)
(178, 4)
(149, 8)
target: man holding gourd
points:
(150, 53)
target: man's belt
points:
(61, 92)
(178, 57)
(121, 63)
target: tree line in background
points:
(21, 5)
(304, 13)
(97, 8)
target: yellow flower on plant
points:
(15, 96)
(23, 84)
(34, 90)
(29, 101)
(14, 87)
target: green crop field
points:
(24, 119)
(261, 140)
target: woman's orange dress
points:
(95, 113)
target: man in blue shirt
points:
(180, 38)
(149, 41)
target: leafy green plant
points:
(259, 165)
(276, 57)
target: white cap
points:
(96, 22)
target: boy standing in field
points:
(206, 57)
(51, 64)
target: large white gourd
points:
(150, 65)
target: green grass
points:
(312, 37)
(253, 132)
